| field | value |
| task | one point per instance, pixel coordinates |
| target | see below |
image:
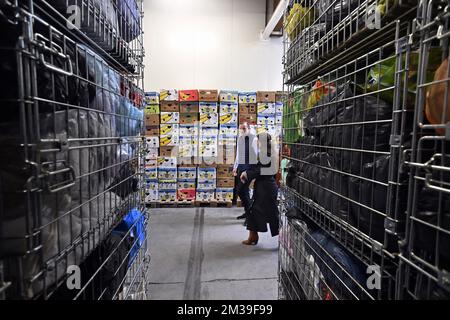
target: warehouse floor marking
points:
(192, 285)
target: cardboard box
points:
(189, 107)
(170, 117)
(167, 162)
(168, 128)
(188, 95)
(168, 95)
(151, 98)
(208, 151)
(266, 108)
(153, 152)
(188, 140)
(167, 185)
(170, 151)
(273, 130)
(267, 120)
(225, 140)
(248, 108)
(208, 173)
(229, 118)
(225, 182)
(186, 194)
(280, 96)
(226, 155)
(224, 194)
(187, 173)
(208, 140)
(167, 174)
(206, 184)
(224, 171)
(247, 97)
(189, 130)
(151, 184)
(209, 95)
(151, 173)
(229, 96)
(205, 195)
(188, 118)
(152, 131)
(170, 106)
(208, 107)
(204, 132)
(279, 107)
(266, 96)
(251, 119)
(151, 120)
(151, 196)
(151, 161)
(167, 195)
(187, 151)
(152, 142)
(169, 140)
(209, 119)
(228, 107)
(151, 109)
(187, 184)
(228, 130)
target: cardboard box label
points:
(268, 120)
(170, 117)
(208, 107)
(167, 174)
(229, 96)
(209, 95)
(168, 95)
(187, 184)
(230, 118)
(188, 95)
(169, 140)
(265, 96)
(151, 98)
(228, 107)
(189, 130)
(248, 109)
(170, 106)
(188, 118)
(209, 119)
(266, 108)
(247, 97)
(186, 194)
(189, 107)
(167, 129)
(167, 162)
(205, 195)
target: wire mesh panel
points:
(315, 267)
(73, 152)
(425, 268)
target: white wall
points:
(209, 44)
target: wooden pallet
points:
(186, 203)
(227, 204)
(212, 204)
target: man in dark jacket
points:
(246, 158)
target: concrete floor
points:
(196, 254)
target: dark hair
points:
(268, 138)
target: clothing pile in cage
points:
(70, 135)
(366, 146)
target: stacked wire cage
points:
(424, 260)
(345, 127)
(71, 135)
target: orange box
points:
(209, 95)
(188, 95)
(151, 120)
(186, 194)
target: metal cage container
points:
(425, 259)
(73, 154)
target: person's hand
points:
(244, 177)
(234, 172)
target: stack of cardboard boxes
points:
(196, 132)
(152, 144)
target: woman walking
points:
(264, 209)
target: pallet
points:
(227, 204)
(212, 204)
(186, 203)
